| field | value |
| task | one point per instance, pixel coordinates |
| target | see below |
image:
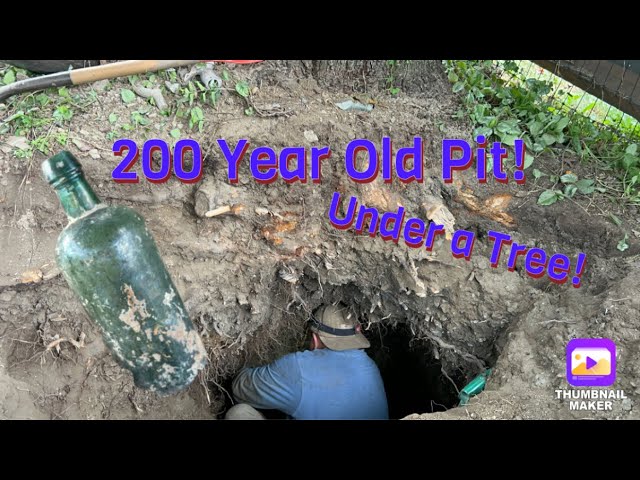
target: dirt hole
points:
(413, 377)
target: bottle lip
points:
(61, 168)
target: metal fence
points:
(614, 81)
(606, 91)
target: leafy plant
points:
(504, 104)
(391, 77)
(569, 186)
(196, 118)
(63, 113)
(9, 76)
(138, 118)
(622, 244)
(243, 89)
(127, 95)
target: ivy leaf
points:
(629, 160)
(548, 197)
(127, 95)
(453, 78)
(175, 133)
(548, 139)
(632, 149)
(585, 187)
(9, 77)
(570, 190)
(458, 87)
(508, 139)
(535, 128)
(485, 131)
(569, 178)
(537, 173)
(113, 118)
(503, 127)
(243, 89)
(528, 160)
(561, 124)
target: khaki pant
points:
(243, 411)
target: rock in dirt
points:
(213, 195)
(101, 85)
(18, 142)
(310, 136)
(7, 295)
(81, 144)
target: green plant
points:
(504, 103)
(391, 77)
(127, 95)
(139, 118)
(191, 98)
(243, 89)
(63, 113)
(196, 118)
(37, 116)
(9, 76)
(62, 138)
(569, 185)
(41, 144)
(623, 244)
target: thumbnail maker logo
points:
(591, 362)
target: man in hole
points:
(334, 379)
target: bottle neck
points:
(76, 196)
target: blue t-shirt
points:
(317, 385)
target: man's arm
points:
(275, 386)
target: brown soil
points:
(250, 281)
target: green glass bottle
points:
(111, 261)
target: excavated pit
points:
(250, 280)
(415, 377)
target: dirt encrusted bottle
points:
(111, 261)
